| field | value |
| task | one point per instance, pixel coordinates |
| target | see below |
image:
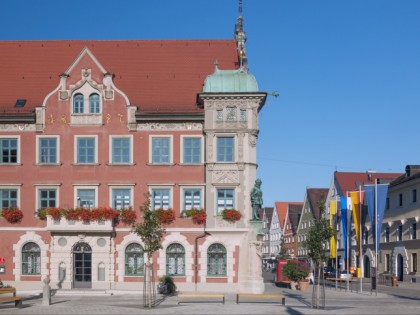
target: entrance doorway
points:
(82, 266)
(400, 268)
(366, 267)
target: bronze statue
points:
(256, 199)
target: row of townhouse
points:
(399, 246)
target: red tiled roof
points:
(157, 75)
(349, 181)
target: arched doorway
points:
(366, 267)
(400, 267)
(82, 266)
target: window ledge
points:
(120, 164)
(86, 164)
(192, 164)
(160, 164)
(11, 164)
(49, 164)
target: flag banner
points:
(370, 200)
(344, 223)
(333, 239)
(382, 191)
(356, 198)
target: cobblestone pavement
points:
(297, 302)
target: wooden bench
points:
(201, 297)
(252, 297)
(14, 298)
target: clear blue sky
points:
(347, 71)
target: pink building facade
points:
(88, 124)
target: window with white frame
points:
(161, 150)
(191, 150)
(161, 198)
(175, 260)
(121, 198)
(86, 150)
(225, 199)
(216, 260)
(386, 236)
(8, 198)
(78, 103)
(86, 198)
(48, 150)
(47, 198)
(134, 260)
(94, 103)
(121, 149)
(192, 198)
(413, 231)
(9, 150)
(399, 232)
(225, 147)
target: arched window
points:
(31, 259)
(78, 104)
(175, 260)
(94, 103)
(134, 260)
(216, 260)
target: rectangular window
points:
(47, 150)
(400, 200)
(399, 233)
(86, 198)
(192, 150)
(121, 198)
(387, 203)
(387, 265)
(121, 150)
(9, 150)
(414, 196)
(242, 114)
(86, 150)
(414, 231)
(47, 198)
(230, 113)
(386, 234)
(219, 115)
(192, 199)
(8, 198)
(225, 149)
(225, 199)
(160, 199)
(414, 262)
(161, 150)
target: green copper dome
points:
(230, 81)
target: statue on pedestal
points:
(256, 199)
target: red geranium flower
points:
(12, 215)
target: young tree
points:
(317, 239)
(283, 254)
(151, 231)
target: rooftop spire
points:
(240, 38)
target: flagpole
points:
(336, 242)
(360, 239)
(348, 243)
(376, 235)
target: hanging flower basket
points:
(198, 216)
(231, 215)
(128, 216)
(166, 217)
(12, 215)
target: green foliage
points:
(150, 230)
(296, 270)
(282, 251)
(318, 236)
(166, 285)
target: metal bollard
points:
(46, 292)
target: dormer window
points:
(78, 104)
(94, 103)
